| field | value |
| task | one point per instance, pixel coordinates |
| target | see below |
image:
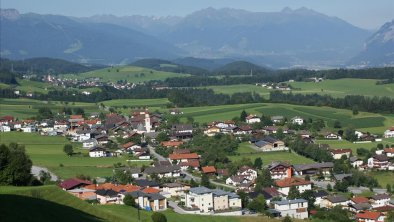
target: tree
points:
(279, 134)
(122, 177)
(287, 219)
(258, 163)
(79, 111)
(68, 149)
(329, 187)
(308, 178)
(244, 198)
(45, 113)
(258, 204)
(129, 201)
(162, 136)
(44, 176)
(243, 116)
(337, 124)
(264, 179)
(355, 110)
(193, 183)
(158, 217)
(205, 181)
(388, 187)
(15, 165)
(293, 193)
(308, 195)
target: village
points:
(176, 177)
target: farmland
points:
(336, 88)
(48, 152)
(348, 145)
(129, 73)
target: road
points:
(176, 208)
(153, 152)
(35, 170)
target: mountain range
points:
(289, 38)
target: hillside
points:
(379, 48)
(168, 66)
(34, 35)
(241, 68)
(44, 66)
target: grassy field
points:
(343, 87)
(231, 89)
(130, 73)
(245, 151)
(50, 203)
(25, 108)
(383, 177)
(354, 146)
(48, 152)
(136, 102)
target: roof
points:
(208, 169)
(223, 172)
(368, 215)
(171, 143)
(336, 199)
(73, 183)
(354, 159)
(181, 151)
(276, 164)
(261, 143)
(162, 169)
(182, 127)
(200, 190)
(270, 139)
(302, 167)
(358, 200)
(150, 190)
(127, 145)
(320, 193)
(191, 163)
(342, 176)
(218, 192)
(179, 156)
(384, 208)
(362, 206)
(103, 192)
(97, 149)
(340, 151)
(76, 117)
(381, 157)
(146, 183)
(293, 181)
(116, 187)
(286, 202)
(380, 196)
(171, 185)
(389, 150)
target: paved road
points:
(176, 208)
(322, 184)
(153, 152)
(35, 170)
(358, 190)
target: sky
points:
(368, 14)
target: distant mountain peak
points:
(10, 14)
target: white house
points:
(389, 152)
(82, 135)
(380, 200)
(297, 120)
(355, 161)
(97, 152)
(332, 201)
(297, 208)
(252, 119)
(389, 133)
(248, 172)
(90, 143)
(28, 129)
(5, 128)
(164, 171)
(285, 185)
(370, 216)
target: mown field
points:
(348, 145)
(245, 151)
(336, 88)
(130, 73)
(50, 203)
(48, 152)
(26, 108)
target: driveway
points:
(35, 170)
(153, 152)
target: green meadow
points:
(130, 73)
(47, 151)
(241, 88)
(245, 150)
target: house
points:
(89, 143)
(5, 128)
(389, 152)
(108, 196)
(207, 200)
(380, 162)
(284, 185)
(164, 171)
(73, 183)
(297, 208)
(313, 168)
(29, 129)
(252, 119)
(369, 216)
(355, 161)
(268, 192)
(237, 180)
(212, 131)
(356, 208)
(82, 135)
(174, 144)
(222, 173)
(379, 200)
(175, 111)
(135, 172)
(247, 171)
(182, 131)
(102, 139)
(242, 130)
(280, 170)
(149, 201)
(208, 170)
(332, 136)
(271, 144)
(146, 183)
(182, 157)
(338, 153)
(297, 120)
(389, 133)
(277, 119)
(97, 152)
(6, 120)
(335, 200)
(342, 176)
(174, 189)
(319, 196)
(83, 193)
